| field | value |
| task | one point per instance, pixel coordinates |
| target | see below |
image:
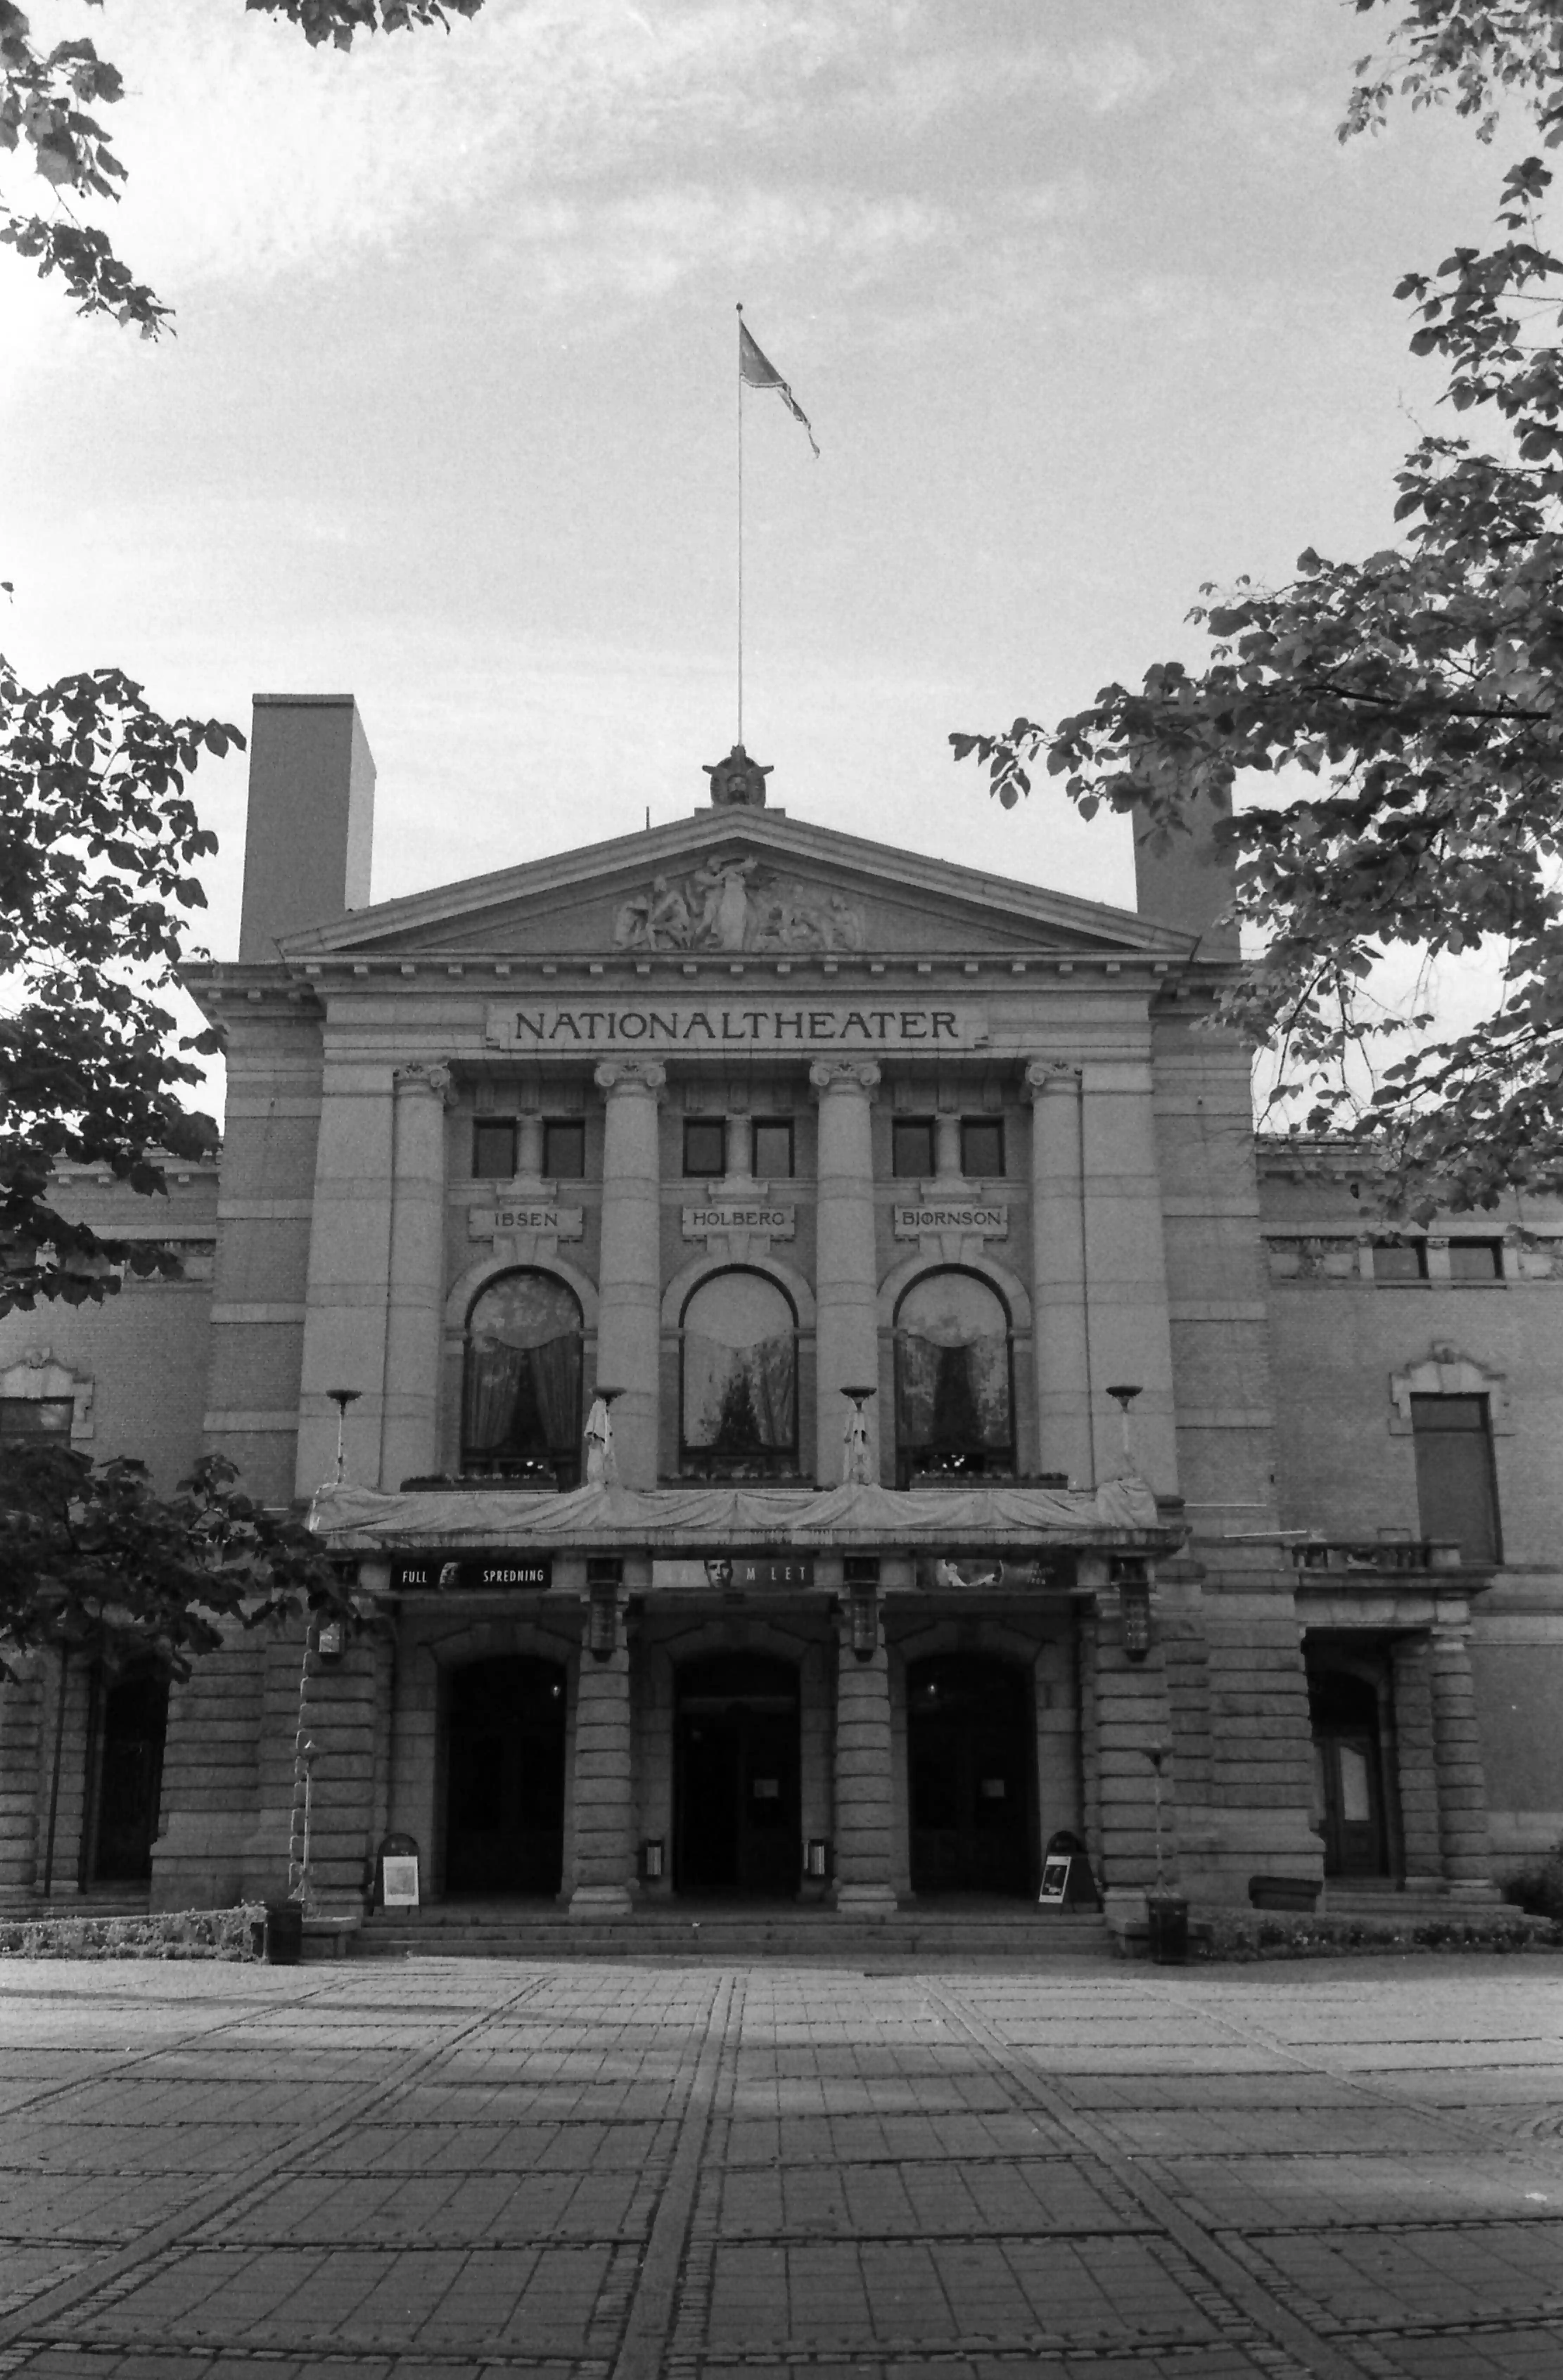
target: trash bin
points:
(1168, 1917)
(285, 1933)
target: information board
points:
(401, 1881)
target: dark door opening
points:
(736, 1812)
(970, 1755)
(131, 1731)
(1349, 1773)
(504, 1779)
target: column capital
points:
(644, 1074)
(859, 1075)
(422, 1076)
(1045, 1075)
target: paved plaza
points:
(573, 2172)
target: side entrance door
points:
(505, 1777)
(971, 1752)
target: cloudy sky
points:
(1087, 303)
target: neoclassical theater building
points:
(822, 1391)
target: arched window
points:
(739, 1407)
(954, 1406)
(520, 1407)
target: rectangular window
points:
(564, 1150)
(24, 1420)
(706, 1147)
(1399, 1260)
(1475, 1259)
(773, 1148)
(493, 1149)
(1456, 1486)
(911, 1148)
(981, 1148)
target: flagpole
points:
(740, 520)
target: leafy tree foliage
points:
(44, 99)
(1417, 689)
(98, 842)
(92, 1561)
(98, 838)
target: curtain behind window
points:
(522, 1387)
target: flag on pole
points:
(756, 370)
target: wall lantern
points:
(651, 1860)
(861, 1577)
(1133, 1584)
(331, 1640)
(816, 1858)
(602, 1608)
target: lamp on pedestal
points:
(342, 1398)
(1123, 1397)
(856, 1471)
(602, 1467)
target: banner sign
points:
(727, 1215)
(736, 1573)
(459, 1574)
(991, 1573)
(911, 1222)
(600, 1025)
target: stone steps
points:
(1029, 1935)
(1358, 1901)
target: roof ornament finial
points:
(737, 782)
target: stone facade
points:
(760, 1128)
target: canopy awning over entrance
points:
(1122, 1512)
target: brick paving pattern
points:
(614, 2172)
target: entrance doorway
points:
(735, 1810)
(504, 1779)
(1345, 1705)
(970, 1755)
(132, 1727)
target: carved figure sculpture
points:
(728, 905)
(723, 887)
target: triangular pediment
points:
(730, 881)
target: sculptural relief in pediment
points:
(735, 905)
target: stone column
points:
(410, 1442)
(1126, 1709)
(1416, 1762)
(1060, 1352)
(20, 1747)
(1128, 1326)
(349, 1292)
(629, 1269)
(946, 1144)
(1462, 1787)
(865, 1813)
(846, 1264)
(605, 1855)
(741, 1149)
(529, 1145)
